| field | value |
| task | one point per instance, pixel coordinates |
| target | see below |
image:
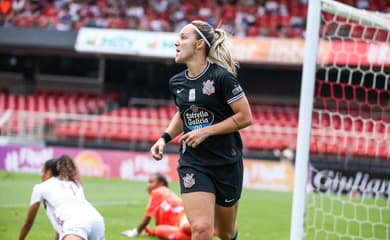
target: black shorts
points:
(224, 181)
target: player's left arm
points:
(56, 236)
(142, 225)
(241, 118)
(137, 230)
(151, 209)
(28, 223)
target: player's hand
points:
(157, 150)
(131, 233)
(194, 138)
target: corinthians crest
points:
(188, 180)
(208, 87)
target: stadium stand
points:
(245, 18)
(261, 18)
(275, 127)
(98, 118)
(56, 102)
(253, 18)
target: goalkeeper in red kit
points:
(167, 210)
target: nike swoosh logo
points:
(179, 90)
(229, 200)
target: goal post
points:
(305, 110)
(342, 168)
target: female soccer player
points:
(212, 108)
(167, 209)
(62, 194)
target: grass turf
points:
(262, 214)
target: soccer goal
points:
(342, 170)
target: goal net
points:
(348, 190)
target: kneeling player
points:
(167, 209)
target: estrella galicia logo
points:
(197, 117)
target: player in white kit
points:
(62, 194)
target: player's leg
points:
(198, 194)
(171, 232)
(184, 224)
(228, 186)
(201, 218)
(225, 221)
(97, 231)
(149, 231)
(186, 229)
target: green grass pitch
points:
(262, 214)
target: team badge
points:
(189, 180)
(208, 87)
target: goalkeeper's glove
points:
(131, 233)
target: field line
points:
(95, 203)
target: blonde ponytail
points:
(218, 52)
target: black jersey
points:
(203, 101)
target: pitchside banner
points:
(275, 51)
(340, 181)
(270, 175)
(126, 42)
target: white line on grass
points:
(98, 203)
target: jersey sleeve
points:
(231, 88)
(36, 195)
(153, 204)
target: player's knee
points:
(202, 229)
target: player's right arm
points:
(28, 223)
(174, 128)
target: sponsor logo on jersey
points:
(197, 117)
(229, 200)
(192, 95)
(208, 87)
(237, 89)
(188, 180)
(233, 152)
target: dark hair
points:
(51, 165)
(161, 179)
(67, 169)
